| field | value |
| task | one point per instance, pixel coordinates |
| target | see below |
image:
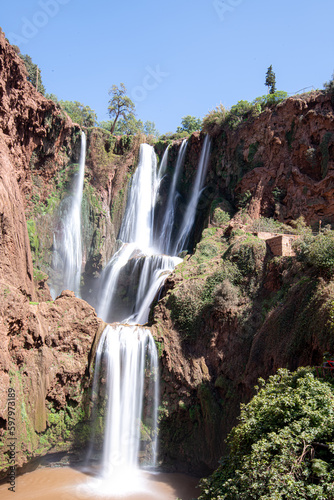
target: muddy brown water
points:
(69, 484)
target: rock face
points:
(15, 255)
(232, 313)
(45, 354)
(284, 158)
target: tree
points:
(79, 113)
(150, 129)
(189, 124)
(34, 73)
(128, 126)
(330, 85)
(270, 80)
(120, 105)
(283, 444)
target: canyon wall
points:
(229, 313)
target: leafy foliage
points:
(283, 447)
(150, 129)
(189, 124)
(272, 99)
(271, 80)
(34, 72)
(317, 251)
(272, 226)
(220, 217)
(330, 85)
(120, 105)
(216, 119)
(132, 126)
(79, 113)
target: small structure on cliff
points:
(279, 244)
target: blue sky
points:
(176, 58)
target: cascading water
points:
(169, 217)
(67, 254)
(190, 213)
(126, 356)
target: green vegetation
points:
(283, 447)
(33, 71)
(317, 251)
(169, 137)
(132, 126)
(189, 124)
(79, 113)
(271, 80)
(219, 273)
(220, 217)
(215, 121)
(120, 105)
(329, 86)
(33, 236)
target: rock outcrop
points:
(284, 158)
(45, 356)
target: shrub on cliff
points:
(329, 86)
(317, 251)
(283, 447)
(214, 120)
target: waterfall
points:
(168, 220)
(137, 224)
(125, 348)
(163, 164)
(126, 363)
(190, 213)
(67, 254)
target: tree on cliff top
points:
(189, 124)
(120, 105)
(271, 80)
(330, 85)
(34, 72)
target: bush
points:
(317, 251)
(283, 447)
(240, 112)
(173, 136)
(220, 217)
(213, 122)
(248, 253)
(271, 226)
(329, 86)
(266, 101)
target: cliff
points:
(283, 159)
(230, 313)
(46, 347)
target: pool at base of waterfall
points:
(66, 483)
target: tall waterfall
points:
(67, 255)
(190, 213)
(126, 356)
(169, 217)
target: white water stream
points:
(67, 245)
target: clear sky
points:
(176, 58)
